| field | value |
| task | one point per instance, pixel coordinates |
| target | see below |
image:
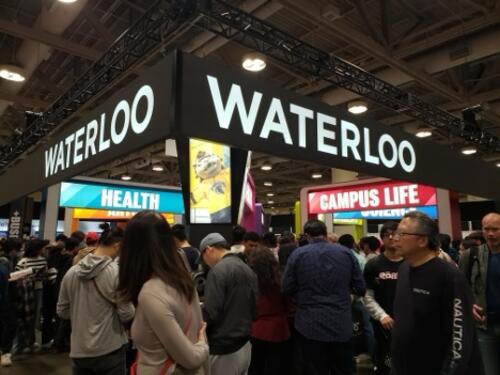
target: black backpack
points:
(473, 258)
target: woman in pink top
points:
(168, 329)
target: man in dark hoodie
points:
(88, 297)
(230, 306)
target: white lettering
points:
(235, 99)
(106, 198)
(68, 141)
(369, 158)
(348, 143)
(279, 127)
(323, 133)
(303, 114)
(90, 138)
(50, 159)
(389, 163)
(117, 138)
(407, 166)
(77, 157)
(103, 143)
(144, 92)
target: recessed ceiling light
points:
(268, 183)
(254, 62)
(12, 72)
(498, 164)
(266, 167)
(469, 150)
(356, 107)
(423, 132)
(270, 202)
(270, 194)
(316, 176)
(67, 1)
(126, 177)
(157, 168)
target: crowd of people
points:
(413, 301)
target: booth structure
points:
(352, 204)
(91, 201)
(182, 97)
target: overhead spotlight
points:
(157, 168)
(266, 166)
(126, 177)
(356, 107)
(423, 132)
(469, 150)
(254, 62)
(12, 72)
(270, 194)
(67, 1)
(316, 176)
(270, 202)
(268, 183)
(498, 164)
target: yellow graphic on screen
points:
(210, 182)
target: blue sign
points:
(122, 198)
(393, 213)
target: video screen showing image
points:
(209, 182)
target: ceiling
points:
(445, 51)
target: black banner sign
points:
(240, 110)
(133, 117)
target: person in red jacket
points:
(270, 331)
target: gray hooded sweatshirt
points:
(96, 320)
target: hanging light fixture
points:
(358, 106)
(469, 150)
(12, 72)
(157, 168)
(254, 62)
(266, 166)
(423, 132)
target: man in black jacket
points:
(230, 306)
(434, 329)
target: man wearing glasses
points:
(481, 265)
(381, 276)
(433, 325)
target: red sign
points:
(371, 197)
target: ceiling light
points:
(270, 194)
(498, 164)
(12, 72)
(423, 132)
(316, 176)
(126, 177)
(268, 183)
(469, 150)
(266, 167)
(67, 1)
(357, 107)
(254, 62)
(270, 202)
(157, 168)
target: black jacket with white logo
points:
(434, 328)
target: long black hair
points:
(148, 249)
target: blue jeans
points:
(489, 345)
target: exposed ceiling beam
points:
(375, 33)
(23, 100)
(102, 30)
(49, 39)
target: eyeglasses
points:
(398, 234)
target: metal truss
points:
(161, 20)
(238, 26)
(166, 16)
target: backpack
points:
(473, 258)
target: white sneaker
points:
(6, 360)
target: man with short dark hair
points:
(321, 277)
(433, 326)
(238, 234)
(481, 265)
(230, 306)
(251, 240)
(182, 243)
(381, 276)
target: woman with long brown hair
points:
(270, 332)
(168, 329)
